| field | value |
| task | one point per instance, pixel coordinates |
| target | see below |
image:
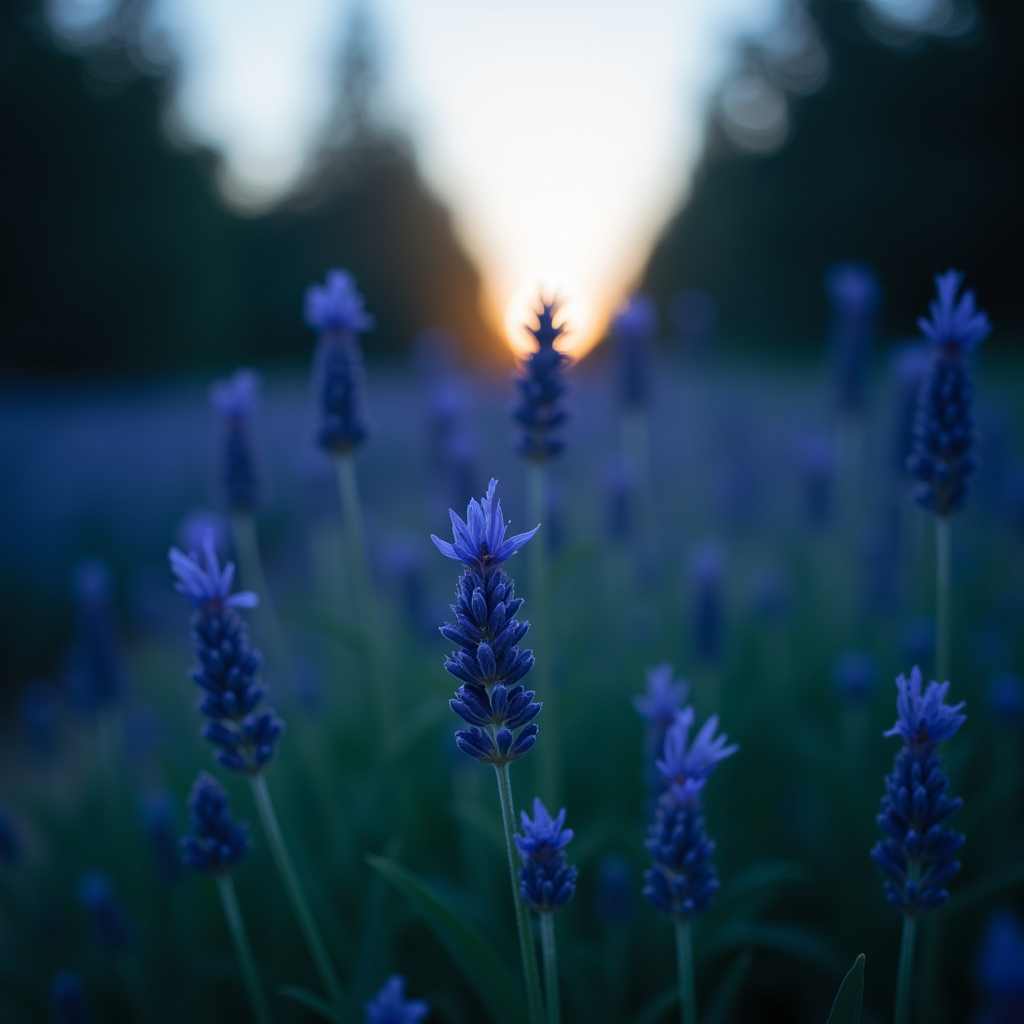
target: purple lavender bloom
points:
(498, 708)
(10, 842)
(97, 671)
(856, 296)
(633, 330)
(480, 541)
(389, 1005)
(909, 365)
(658, 707)
(245, 733)
(546, 881)
(817, 468)
(619, 488)
(234, 400)
(682, 881)
(109, 921)
(917, 854)
(854, 675)
(943, 457)
(335, 310)
(219, 843)
(158, 812)
(67, 1000)
(1000, 968)
(614, 904)
(541, 384)
(1006, 700)
(192, 530)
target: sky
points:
(561, 133)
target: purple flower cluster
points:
(943, 455)
(489, 663)
(218, 843)
(389, 1005)
(917, 853)
(235, 400)
(245, 733)
(682, 881)
(540, 410)
(546, 881)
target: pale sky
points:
(560, 133)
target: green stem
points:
(250, 562)
(684, 963)
(906, 971)
(539, 625)
(229, 900)
(942, 596)
(523, 924)
(547, 945)
(296, 896)
(363, 590)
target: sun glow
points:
(573, 313)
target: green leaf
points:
(803, 943)
(311, 1002)
(846, 1008)
(728, 989)
(481, 965)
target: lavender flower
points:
(682, 881)
(541, 408)
(488, 660)
(109, 921)
(67, 999)
(335, 310)
(97, 672)
(1000, 969)
(917, 854)
(219, 844)
(619, 487)
(1006, 700)
(245, 733)
(706, 569)
(909, 364)
(235, 400)
(546, 882)
(633, 329)
(943, 457)
(854, 674)
(659, 707)
(158, 814)
(856, 295)
(389, 1005)
(817, 467)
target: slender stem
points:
(684, 963)
(906, 971)
(251, 976)
(247, 549)
(547, 945)
(295, 894)
(363, 590)
(523, 924)
(942, 596)
(539, 625)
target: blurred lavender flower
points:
(682, 881)
(234, 400)
(389, 1005)
(706, 572)
(488, 661)
(620, 498)
(39, 709)
(854, 675)
(917, 855)
(856, 295)
(908, 366)
(943, 457)
(1006, 700)
(999, 969)
(10, 842)
(658, 707)
(614, 902)
(67, 1000)
(633, 330)
(96, 674)
(227, 668)
(158, 813)
(218, 843)
(197, 524)
(109, 922)
(404, 561)
(817, 463)
(541, 384)
(335, 310)
(546, 881)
